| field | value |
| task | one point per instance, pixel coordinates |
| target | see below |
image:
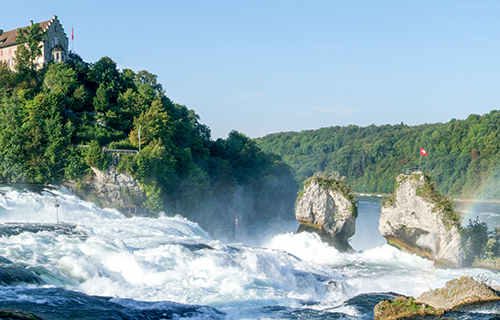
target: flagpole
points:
(140, 138)
(423, 153)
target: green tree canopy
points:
(30, 40)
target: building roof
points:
(8, 38)
(58, 47)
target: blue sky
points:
(261, 67)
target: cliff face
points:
(420, 221)
(327, 212)
(113, 189)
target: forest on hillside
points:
(49, 112)
(463, 155)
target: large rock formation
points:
(420, 220)
(116, 189)
(326, 206)
(111, 189)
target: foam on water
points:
(164, 259)
(171, 259)
(380, 269)
(26, 206)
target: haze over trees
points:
(463, 155)
(49, 113)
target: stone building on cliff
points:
(55, 46)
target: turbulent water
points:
(97, 264)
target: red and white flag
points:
(236, 221)
(423, 152)
(72, 35)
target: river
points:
(97, 264)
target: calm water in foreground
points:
(101, 265)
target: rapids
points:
(95, 263)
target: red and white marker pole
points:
(236, 228)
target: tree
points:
(6, 77)
(155, 123)
(148, 86)
(30, 43)
(474, 239)
(11, 141)
(95, 156)
(101, 99)
(104, 71)
(60, 78)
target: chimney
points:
(1, 31)
(31, 23)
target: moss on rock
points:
(404, 308)
(332, 181)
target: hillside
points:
(463, 155)
(56, 122)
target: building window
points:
(56, 39)
(57, 56)
(1, 53)
(52, 44)
(10, 52)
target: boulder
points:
(404, 307)
(418, 219)
(459, 292)
(327, 207)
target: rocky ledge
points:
(327, 207)
(458, 293)
(111, 189)
(418, 219)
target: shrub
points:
(474, 239)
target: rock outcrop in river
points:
(419, 219)
(459, 292)
(456, 295)
(327, 207)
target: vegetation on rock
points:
(332, 181)
(442, 204)
(404, 308)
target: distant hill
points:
(463, 155)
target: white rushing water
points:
(171, 259)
